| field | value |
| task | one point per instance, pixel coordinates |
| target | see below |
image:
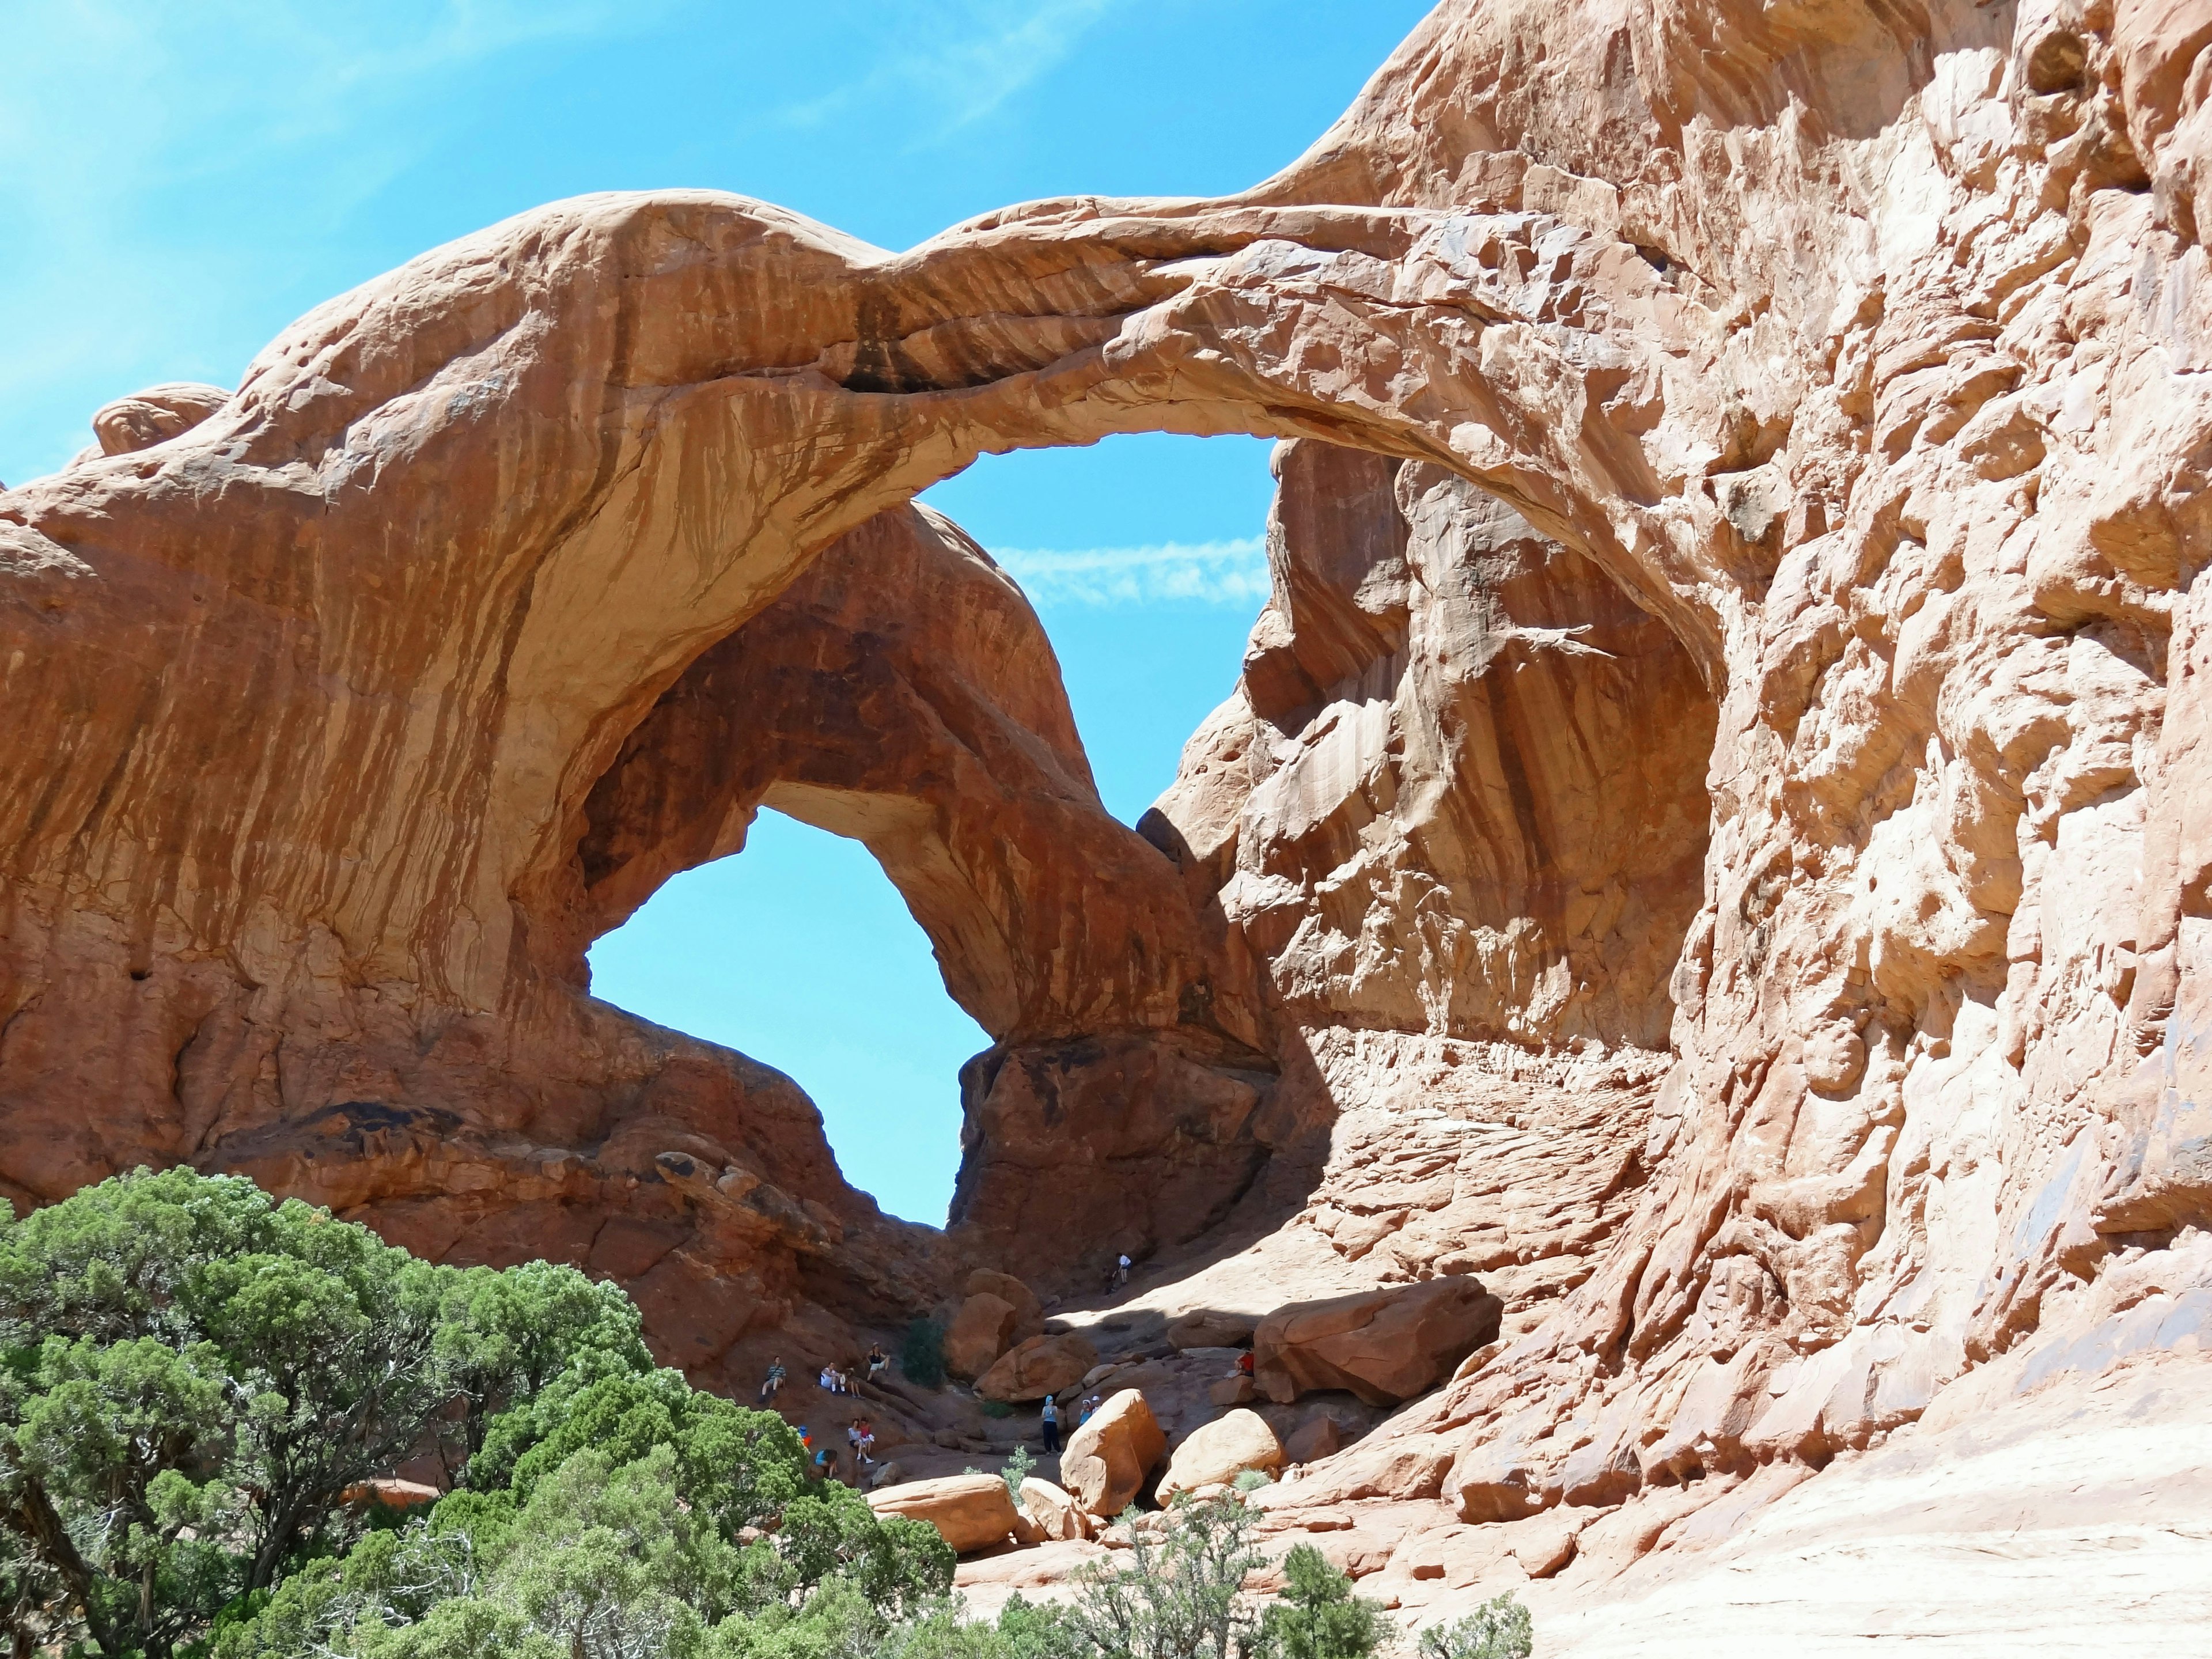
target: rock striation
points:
(1707, 835)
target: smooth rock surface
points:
(1108, 1459)
(982, 1330)
(1033, 1369)
(1217, 1454)
(964, 1508)
(1384, 1345)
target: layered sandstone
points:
(1708, 835)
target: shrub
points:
(196, 1373)
(1178, 1597)
(997, 1409)
(1015, 1470)
(1499, 1629)
(921, 1357)
(1318, 1617)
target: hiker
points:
(1051, 1424)
(772, 1382)
(1090, 1410)
(825, 1463)
(1122, 1272)
(879, 1361)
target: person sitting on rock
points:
(1245, 1363)
(772, 1382)
(863, 1439)
(879, 1361)
(825, 1463)
(827, 1381)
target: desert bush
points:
(921, 1356)
(1499, 1629)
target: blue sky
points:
(182, 180)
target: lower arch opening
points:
(800, 953)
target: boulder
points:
(1029, 1312)
(1209, 1328)
(154, 416)
(1384, 1346)
(1237, 1390)
(1314, 1439)
(970, 1511)
(1108, 1459)
(1220, 1451)
(982, 1331)
(1054, 1510)
(1038, 1367)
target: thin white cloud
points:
(1202, 573)
(953, 62)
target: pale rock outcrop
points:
(1108, 1459)
(1383, 1345)
(1217, 1454)
(971, 1511)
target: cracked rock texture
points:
(1710, 834)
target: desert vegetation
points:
(202, 1388)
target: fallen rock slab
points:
(970, 1512)
(1055, 1510)
(1384, 1345)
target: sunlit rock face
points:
(1776, 840)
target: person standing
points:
(1052, 1425)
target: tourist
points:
(825, 1463)
(1089, 1410)
(773, 1382)
(1051, 1424)
(879, 1361)
(1122, 1272)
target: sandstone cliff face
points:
(1761, 874)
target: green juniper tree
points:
(1499, 1629)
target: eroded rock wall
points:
(1861, 349)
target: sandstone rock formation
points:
(1108, 1459)
(971, 1511)
(1038, 1367)
(1707, 835)
(1055, 1510)
(1221, 1451)
(1384, 1345)
(982, 1331)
